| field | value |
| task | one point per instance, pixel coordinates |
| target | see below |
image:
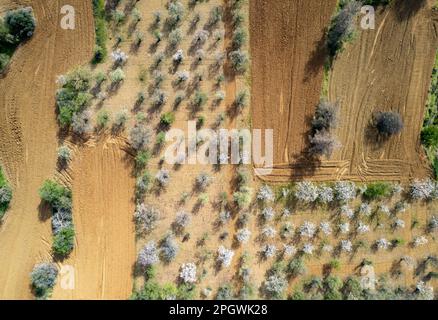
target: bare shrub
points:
(388, 123)
(323, 143)
(146, 218)
(140, 136)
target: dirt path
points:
(104, 256)
(28, 135)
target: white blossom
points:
(306, 192)
(289, 250)
(182, 76)
(344, 227)
(308, 248)
(188, 273)
(383, 244)
(400, 207)
(225, 256)
(307, 229)
(269, 250)
(119, 57)
(420, 241)
(163, 177)
(243, 235)
(347, 211)
(268, 213)
(224, 216)
(325, 227)
(178, 56)
(363, 228)
(424, 291)
(325, 194)
(148, 255)
(285, 192)
(269, 232)
(384, 209)
(265, 194)
(365, 209)
(182, 219)
(327, 248)
(399, 224)
(422, 189)
(345, 191)
(346, 245)
(286, 213)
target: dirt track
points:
(103, 208)
(384, 69)
(28, 134)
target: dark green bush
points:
(100, 51)
(429, 136)
(21, 23)
(63, 242)
(54, 193)
(377, 190)
(167, 119)
(5, 194)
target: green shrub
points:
(21, 23)
(296, 267)
(54, 193)
(103, 118)
(297, 295)
(4, 60)
(167, 119)
(225, 292)
(186, 292)
(73, 97)
(5, 194)
(332, 287)
(161, 138)
(377, 190)
(199, 100)
(142, 159)
(43, 279)
(63, 242)
(243, 197)
(429, 136)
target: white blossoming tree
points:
(243, 235)
(188, 273)
(148, 255)
(306, 192)
(265, 194)
(345, 191)
(224, 256)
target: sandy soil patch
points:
(104, 255)
(28, 135)
(288, 54)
